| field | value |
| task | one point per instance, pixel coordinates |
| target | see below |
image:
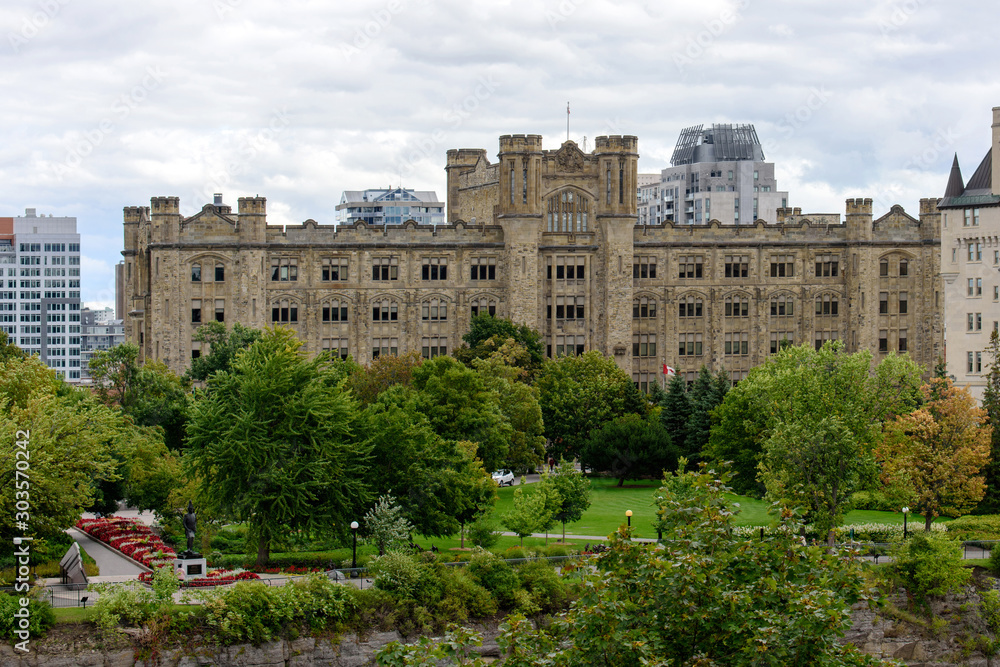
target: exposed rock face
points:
(347, 651)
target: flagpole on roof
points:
(567, 121)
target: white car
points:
(504, 477)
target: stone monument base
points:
(190, 566)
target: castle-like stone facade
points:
(547, 238)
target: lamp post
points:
(628, 516)
(354, 549)
(905, 510)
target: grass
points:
(608, 504)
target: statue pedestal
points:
(190, 565)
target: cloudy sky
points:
(106, 104)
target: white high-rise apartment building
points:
(970, 266)
(717, 173)
(40, 288)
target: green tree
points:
(630, 447)
(8, 350)
(519, 404)
(222, 346)
(474, 490)
(529, 513)
(151, 394)
(580, 393)
(675, 409)
(707, 394)
(573, 490)
(990, 504)
(824, 412)
(273, 442)
(385, 525)
(488, 333)
(67, 441)
(802, 384)
(460, 406)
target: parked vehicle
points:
(504, 477)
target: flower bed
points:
(214, 578)
(131, 537)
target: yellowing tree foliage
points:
(938, 451)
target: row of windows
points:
(433, 310)
(735, 306)
(383, 269)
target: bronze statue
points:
(190, 524)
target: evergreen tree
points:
(990, 503)
(699, 426)
(675, 409)
(656, 394)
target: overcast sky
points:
(106, 104)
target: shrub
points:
(984, 527)
(989, 609)
(484, 531)
(514, 552)
(463, 595)
(40, 617)
(928, 565)
(496, 576)
(548, 590)
(397, 573)
(133, 604)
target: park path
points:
(113, 565)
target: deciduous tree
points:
(580, 393)
(385, 525)
(529, 513)
(990, 504)
(573, 490)
(273, 442)
(222, 346)
(488, 333)
(383, 372)
(938, 451)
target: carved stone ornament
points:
(569, 157)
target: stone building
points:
(548, 238)
(970, 261)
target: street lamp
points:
(354, 550)
(628, 515)
(905, 510)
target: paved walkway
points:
(110, 562)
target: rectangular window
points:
(336, 347)
(195, 310)
(970, 287)
(484, 268)
(737, 343)
(970, 320)
(780, 340)
(335, 311)
(690, 266)
(979, 286)
(434, 268)
(384, 346)
(968, 217)
(433, 346)
(969, 361)
(904, 267)
(979, 362)
(385, 268)
(903, 345)
(979, 321)
(903, 305)
(284, 269)
(737, 266)
(643, 267)
(220, 273)
(975, 217)
(220, 310)
(644, 345)
(883, 340)
(827, 266)
(385, 311)
(782, 266)
(333, 269)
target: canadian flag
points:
(668, 371)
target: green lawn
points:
(608, 504)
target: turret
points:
(520, 174)
(460, 161)
(618, 174)
(253, 219)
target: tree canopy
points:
(580, 393)
(223, 347)
(937, 452)
(273, 442)
(488, 333)
(630, 447)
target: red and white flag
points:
(668, 371)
